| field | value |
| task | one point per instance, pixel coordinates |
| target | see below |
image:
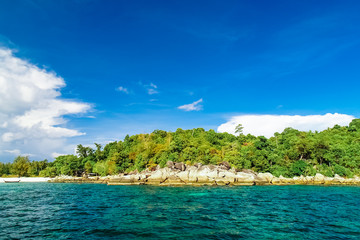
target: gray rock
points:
(319, 179)
(180, 166)
(198, 165)
(248, 171)
(245, 178)
(263, 178)
(134, 172)
(225, 165)
(170, 164)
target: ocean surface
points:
(94, 211)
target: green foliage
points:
(354, 125)
(21, 166)
(290, 153)
(5, 169)
(89, 166)
(239, 129)
(298, 168)
(280, 171)
(326, 170)
(100, 168)
(342, 171)
(48, 172)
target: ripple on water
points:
(78, 211)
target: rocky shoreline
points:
(176, 174)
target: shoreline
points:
(178, 174)
(25, 179)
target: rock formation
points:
(181, 174)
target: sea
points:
(96, 211)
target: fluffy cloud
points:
(195, 106)
(267, 125)
(31, 110)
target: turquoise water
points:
(93, 211)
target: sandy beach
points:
(26, 179)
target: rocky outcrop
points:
(180, 166)
(264, 179)
(181, 174)
(225, 165)
(319, 179)
(71, 179)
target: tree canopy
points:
(290, 153)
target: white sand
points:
(26, 179)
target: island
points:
(198, 157)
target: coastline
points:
(25, 179)
(178, 174)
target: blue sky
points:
(132, 64)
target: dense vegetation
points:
(290, 153)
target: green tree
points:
(239, 129)
(21, 166)
(100, 168)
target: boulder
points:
(204, 180)
(192, 174)
(222, 182)
(221, 173)
(225, 165)
(338, 180)
(356, 180)
(214, 174)
(248, 171)
(265, 177)
(173, 180)
(286, 181)
(229, 178)
(170, 164)
(206, 170)
(184, 176)
(159, 176)
(180, 166)
(134, 172)
(276, 181)
(328, 180)
(300, 180)
(242, 178)
(211, 167)
(349, 181)
(282, 180)
(125, 180)
(202, 175)
(319, 179)
(309, 179)
(197, 165)
(233, 170)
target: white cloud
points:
(55, 154)
(152, 91)
(13, 152)
(150, 88)
(122, 89)
(267, 125)
(195, 106)
(31, 110)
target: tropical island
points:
(197, 156)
